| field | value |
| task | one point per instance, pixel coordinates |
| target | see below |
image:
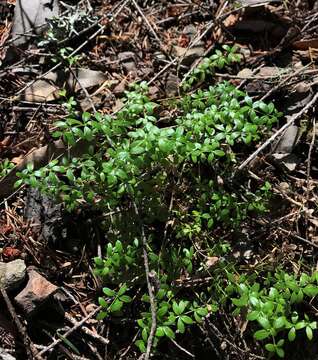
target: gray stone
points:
(4, 355)
(190, 30)
(287, 141)
(12, 274)
(31, 16)
(172, 85)
(127, 59)
(188, 56)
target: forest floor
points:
(95, 49)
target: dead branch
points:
(279, 132)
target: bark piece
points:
(37, 291)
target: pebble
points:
(12, 274)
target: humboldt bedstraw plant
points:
(180, 177)
(5, 166)
(273, 306)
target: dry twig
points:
(279, 132)
(75, 327)
(31, 351)
(150, 290)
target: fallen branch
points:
(29, 347)
(87, 331)
(57, 341)
(150, 289)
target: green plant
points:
(273, 306)
(5, 166)
(65, 55)
(64, 27)
(115, 301)
(174, 175)
(208, 65)
(173, 316)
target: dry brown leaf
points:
(212, 260)
(231, 20)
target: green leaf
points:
(160, 331)
(141, 345)
(141, 323)
(180, 326)
(137, 150)
(165, 145)
(280, 343)
(101, 315)
(86, 116)
(144, 334)
(102, 302)
(309, 333)
(202, 311)
(253, 315)
(197, 318)
(169, 333)
(264, 322)
(176, 308)
(311, 290)
(98, 261)
(182, 306)
(18, 183)
(261, 334)
(254, 301)
(300, 325)
(292, 334)
(280, 352)
(219, 153)
(162, 311)
(70, 175)
(68, 343)
(108, 291)
(270, 347)
(125, 298)
(30, 166)
(116, 306)
(242, 301)
(279, 322)
(186, 319)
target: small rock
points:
(269, 71)
(153, 92)
(120, 88)
(126, 55)
(172, 85)
(12, 274)
(302, 87)
(288, 161)
(287, 141)
(190, 30)
(284, 186)
(245, 73)
(36, 292)
(188, 56)
(4, 355)
(127, 59)
(31, 16)
(159, 56)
